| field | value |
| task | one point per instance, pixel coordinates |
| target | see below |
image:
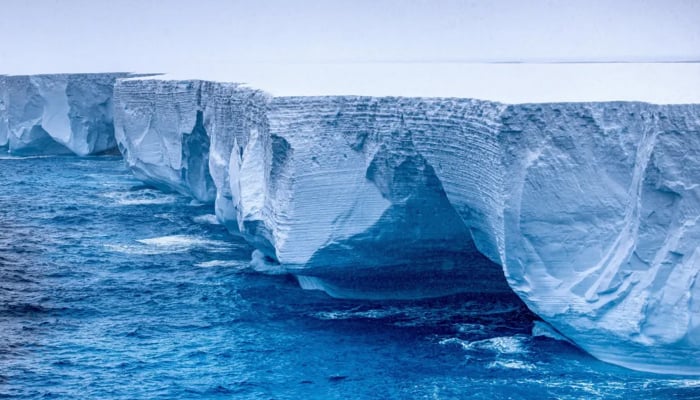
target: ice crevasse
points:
(589, 209)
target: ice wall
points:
(180, 135)
(589, 210)
(57, 114)
(3, 112)
(601, 226)
(333, 189)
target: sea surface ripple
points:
(113, 290)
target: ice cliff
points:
(589, 209)
(57, 114)
(3, 112)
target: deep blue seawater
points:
(113, 290)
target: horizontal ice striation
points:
(590, 209)
(57, 114)
(351, 200)
(601, 226)
(231, 114)
(170, 132)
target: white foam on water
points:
(183, 241)
(11, 157)
(499, 345)
(134, 249)
(207, 219)
(355, 314)
(140, 197)
(502, 345)
(511, 364)
(588, 387)
(680, 383)
(166, 216)
(222, 263)
(171, 244)
(259, 263)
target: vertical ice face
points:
(231, 112)
(339, 191)
(184, 135)
(159, 126)
(54, 114)
(90, 99)
(30, 114)
(3, 111)
(602, 235)
(590, 209)
(333, 188)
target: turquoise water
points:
(113, 290)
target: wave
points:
(184, 242)
(511, 364)
(222, 263)
(206, 219)
(427, 314)
(12, 157)
(171, 244)
(140, 197)
(500, 345)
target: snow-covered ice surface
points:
(57, 114)
(661, 83)
(588, 203)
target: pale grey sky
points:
(150, 35)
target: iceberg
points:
(376, 186)
(58, 114)
(3, 112)
(585, 205)
(180, 135)
(600, 226)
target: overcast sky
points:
(160, 35)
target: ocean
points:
(110, 289)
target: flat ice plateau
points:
(578, 183)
